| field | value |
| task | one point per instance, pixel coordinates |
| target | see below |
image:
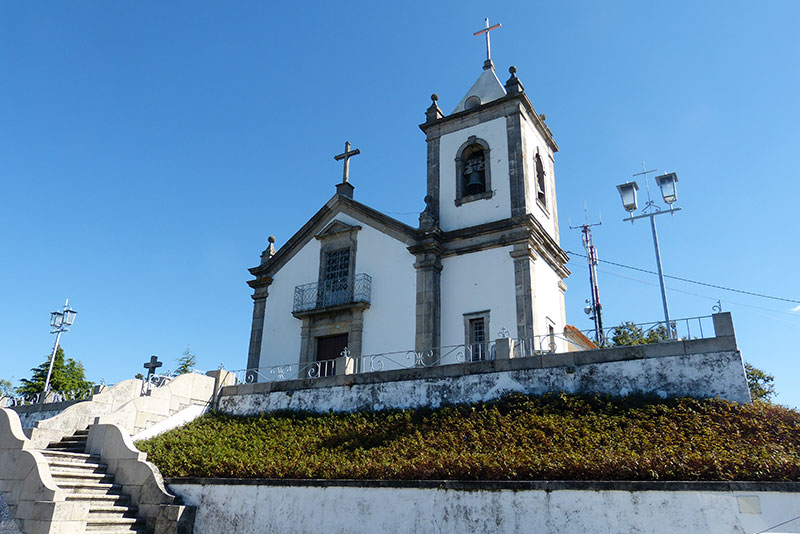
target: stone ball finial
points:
(512, 69)
(271, 239)
(543, 116)
(434, 97)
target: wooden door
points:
(328, 349)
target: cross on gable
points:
(346, 155)
(152, 365)
(486, 31)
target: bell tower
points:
(491, 257)
(492, 158)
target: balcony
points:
(332, 294)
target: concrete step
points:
(100, 529)
(95, 499)
(102, 507)
(72, 438)
(71, 443)
(57, 464)
(89, 478)
(77, 457)
(119, 524)
(67, 448)
(99, 513)
(85, 479)
(92, 488)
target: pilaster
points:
(433, 178)
(260, 293)
(516, 164)
(524, 257)
(429, 292)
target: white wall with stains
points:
(249, 508)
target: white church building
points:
(485, 261)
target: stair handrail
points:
(27, 484)
(140, 479)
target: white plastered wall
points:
(482, 211)
(389, 323)
(475, 282)
(445, 511)
(548, 303)
(280, 343)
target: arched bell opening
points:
(474, 171)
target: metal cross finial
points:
(486, 31)
(644, 173)
(346, 155)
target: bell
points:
(474, 183)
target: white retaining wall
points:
(288, 508)
(703, 375)
(700, 368)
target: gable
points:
(325, 223)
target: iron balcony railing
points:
(318, 295)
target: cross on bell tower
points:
(346, 188)
(488, 63)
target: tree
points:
(630, 334)
(760, 383)
(67, 375)
(185, 362)
(6, 388)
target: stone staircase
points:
(85, 479)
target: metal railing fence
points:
(556, 343)
(51, 397)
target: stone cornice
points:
(334, 229)
(506, 232)
(328, 310)
(260, 287)
(513, 103)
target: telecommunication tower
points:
(593, 309)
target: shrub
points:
(516, 438)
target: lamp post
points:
(667, 183)
(60, 321)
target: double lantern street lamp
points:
(60, 321)
(669, 191)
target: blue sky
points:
(148, 149)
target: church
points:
(484, 262)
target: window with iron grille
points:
(336, 276)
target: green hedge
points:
(516, 438)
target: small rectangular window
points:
(551, 335)
(476, 334)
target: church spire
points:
(487, 87)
